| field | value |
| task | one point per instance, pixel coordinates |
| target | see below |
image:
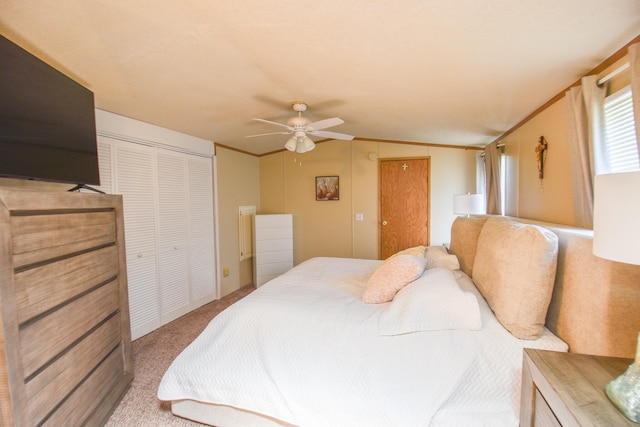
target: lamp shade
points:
(469, 204)
(616, 217)
(291, 144)
(300, 148)
(308, 144)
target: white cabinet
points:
(169, 224)
(273, 246)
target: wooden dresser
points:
(65, 337)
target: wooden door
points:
(404, 204)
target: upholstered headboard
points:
(595, 306)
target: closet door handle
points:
(384, 222)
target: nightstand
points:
(567, 389)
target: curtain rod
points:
(613, 73)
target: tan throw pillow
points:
(515, 269)
(391, 276)
(439, 257)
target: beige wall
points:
(287, 185)
(549, 199)
(237, 180)
(329, 228)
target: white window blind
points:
(621, 147)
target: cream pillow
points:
(438, 256)
(391, 276)
(415, 251)
(515, 270)
(432, 302)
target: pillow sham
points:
(515, 270)
(433, 302)
(391, 276)
(438, 256)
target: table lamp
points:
(469, 204)
(616, 236)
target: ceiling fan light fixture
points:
(291, 144)
(300, 147)
(308, 144)
(301, 126)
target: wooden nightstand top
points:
(573, 386)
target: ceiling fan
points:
(300, 127)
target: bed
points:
(427, 337)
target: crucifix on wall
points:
(541, 154)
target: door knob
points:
(384, 222)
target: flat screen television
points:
(47, 122)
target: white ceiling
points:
(439, 71)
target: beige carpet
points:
(152, 355)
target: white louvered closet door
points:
(169, 233)
(201, 232)
(135, 172)
(173, 239)
(166, 182)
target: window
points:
(621, 148)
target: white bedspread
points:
(303, 348)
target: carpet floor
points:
(152, 355)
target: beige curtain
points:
(584, 109)
(634, 62)
(492, 168)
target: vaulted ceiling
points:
(436, 71)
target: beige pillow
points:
(464, 239)
(415, 251)
(391, 276)
(439, 257)
(515, 269)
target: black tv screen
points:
(47, 121)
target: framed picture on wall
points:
(327, 188)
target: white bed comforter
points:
(304, 349)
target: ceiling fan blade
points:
(270, 133)
(323, 124)
(275, 123)
(332, 135)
